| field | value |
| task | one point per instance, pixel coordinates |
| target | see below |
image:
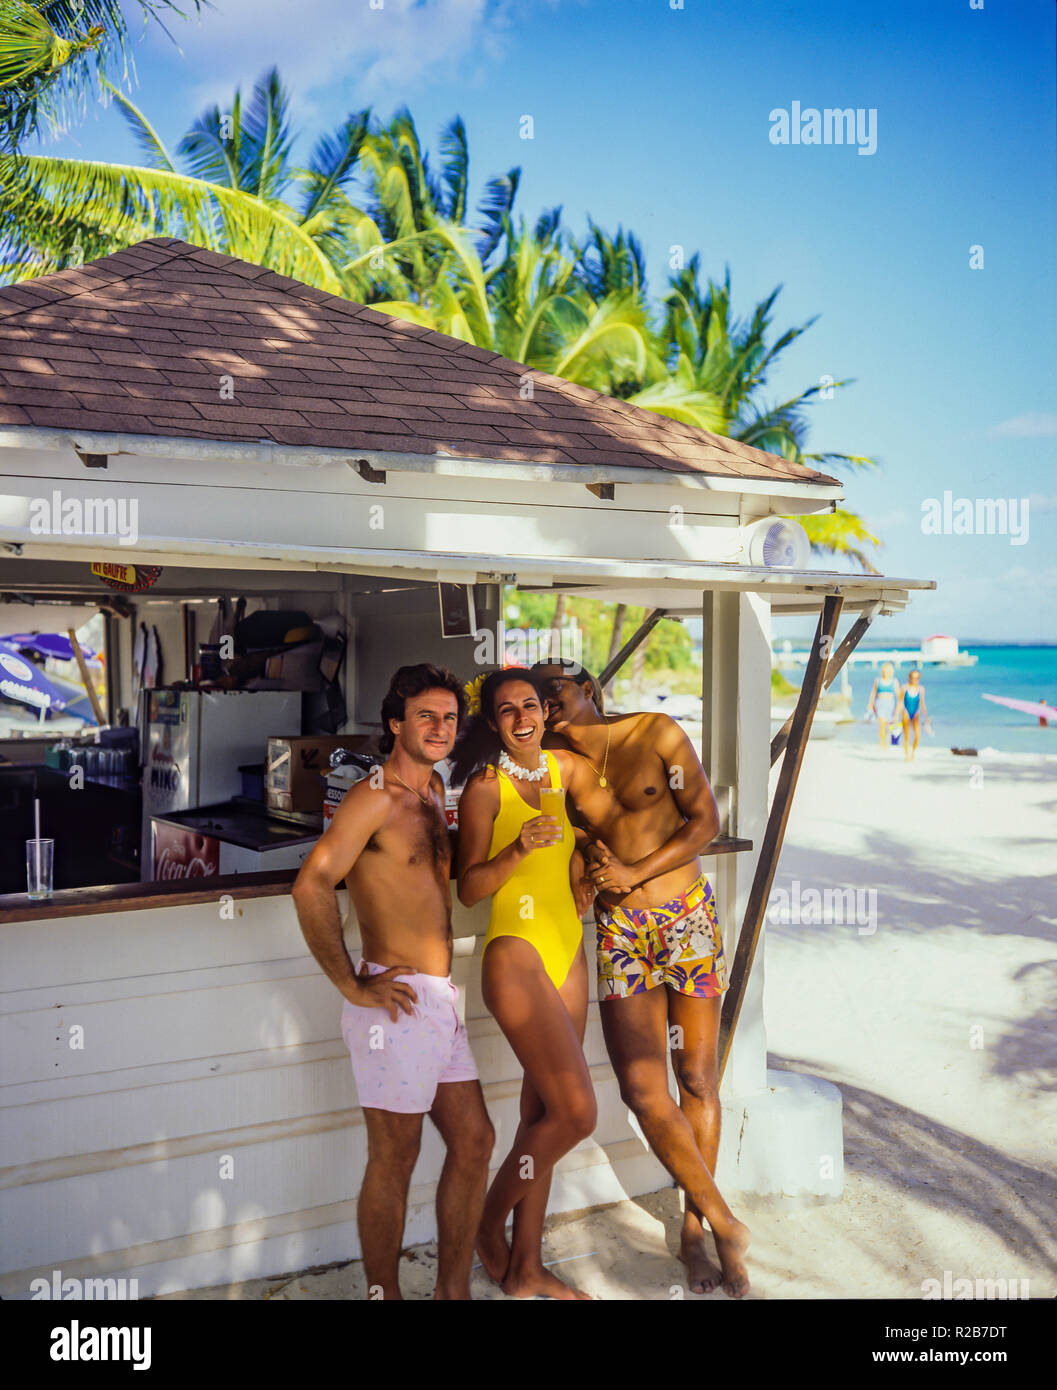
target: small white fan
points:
(777, 543)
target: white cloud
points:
(1038, 425)
(1021, 575)
(381, 54)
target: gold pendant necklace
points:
(601, 775)
(424, 799)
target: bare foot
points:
(528, 1283)
(494, 1252)
(702, 1276)
(730, 1250)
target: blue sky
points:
(658, 118)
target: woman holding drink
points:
(518, 846)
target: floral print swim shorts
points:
(677, 944)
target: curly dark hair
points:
(479, 743)
(410, 681)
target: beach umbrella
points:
(27, 684)
(1036, 707)
(55, 645)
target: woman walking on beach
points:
(533, 971)
(884, 700)
(913, 711)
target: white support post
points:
(736, 741)
(778, 1127)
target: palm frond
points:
(841, 533)
(147, 137)
(58, 73)
(331, 169)
(212, 148)
(266, 138)
(129, 198)
(698, 408)
(496, 208)
(455, 153)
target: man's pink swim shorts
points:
(398, 1066)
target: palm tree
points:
(45, 57)
(723, 365)
(238, 193)
(708, 370)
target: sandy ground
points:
(935, 1012)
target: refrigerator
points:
(192, 742)
(236, 837)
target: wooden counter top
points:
(133, 897)
(130, 897)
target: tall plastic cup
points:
(40, 856)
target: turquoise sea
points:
(960, 717)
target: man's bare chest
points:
(636, 782)
(414, 840)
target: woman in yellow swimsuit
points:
(533, 970)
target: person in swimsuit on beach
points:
(914, 711)
(533, 969)
(649, 812)
(885, 700)
(401, 1020)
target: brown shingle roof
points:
(137, 343)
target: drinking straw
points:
(36, 824)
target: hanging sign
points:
(458, 617)
(130, 579)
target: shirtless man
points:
(410, 1052)
(650, 814)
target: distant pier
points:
(783, 659)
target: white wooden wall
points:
(207, 1040)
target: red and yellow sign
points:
(130, 579)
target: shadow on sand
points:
(915, 895)
(950, 1171)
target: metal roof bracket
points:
(368, 472)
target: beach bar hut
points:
(177, 1102)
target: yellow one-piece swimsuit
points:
(536, 902)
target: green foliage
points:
(50, 53)
(669, 650)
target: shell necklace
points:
(513, 769)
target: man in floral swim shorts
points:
(400, 1020)
(676, 944)
(661, 967)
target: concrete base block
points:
(787, 1140)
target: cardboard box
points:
(338, 781)
(296, 767)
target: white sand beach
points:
(937, 1026)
